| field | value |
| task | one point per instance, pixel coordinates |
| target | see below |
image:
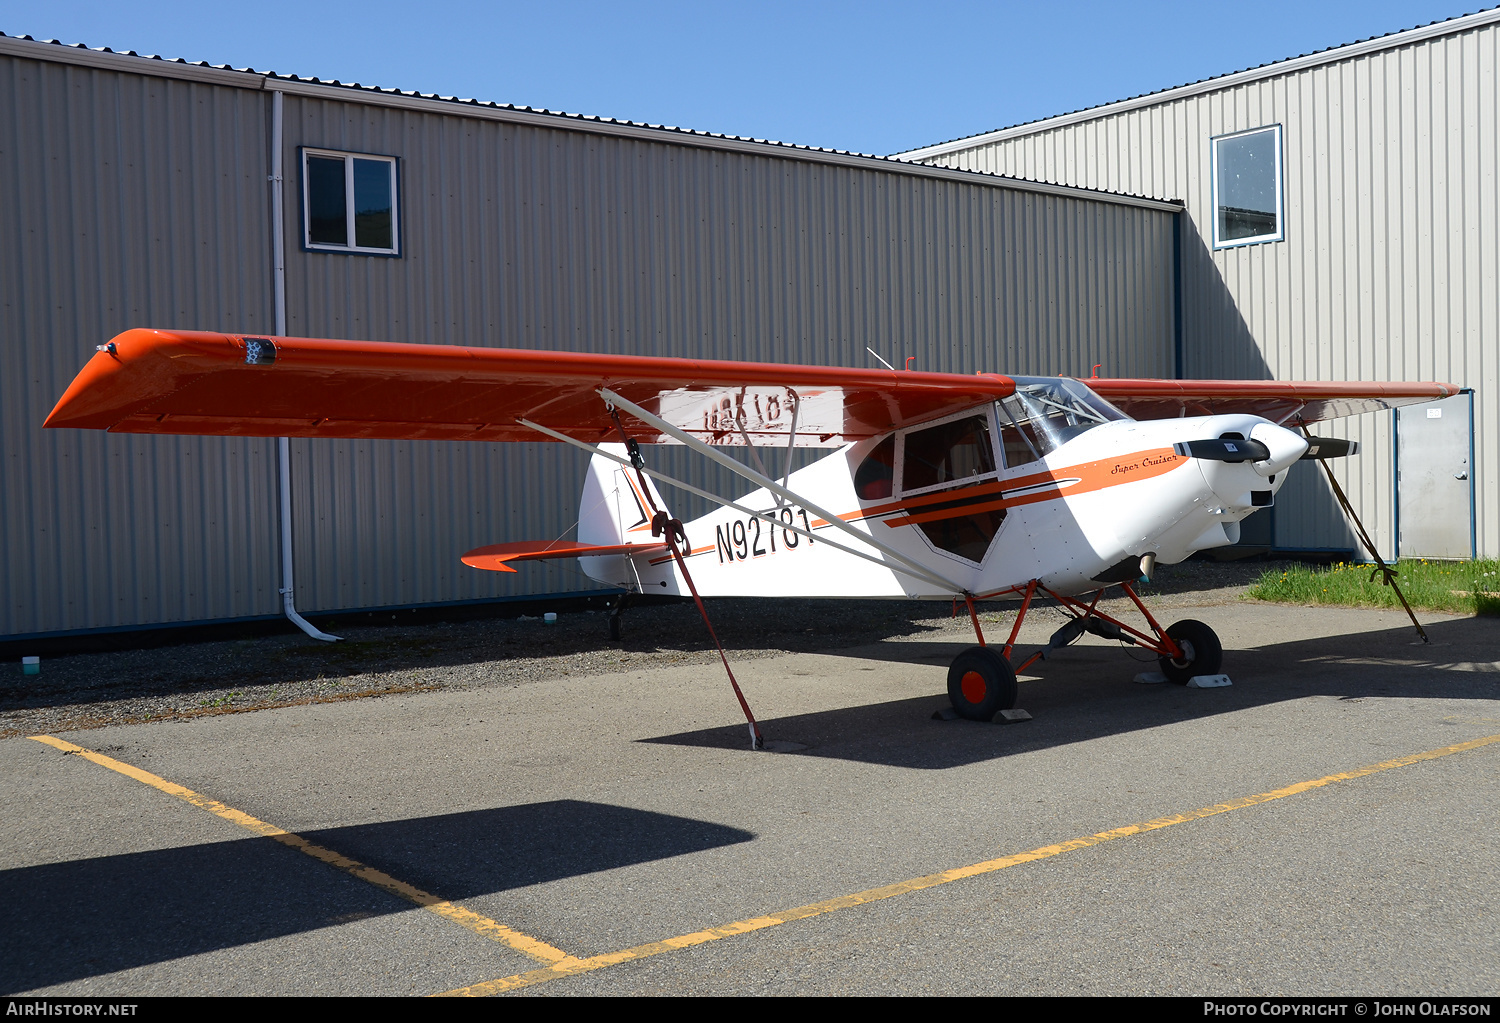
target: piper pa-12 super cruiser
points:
(938, 485)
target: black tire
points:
(614, 627)
(981, 683)
(1205, 654)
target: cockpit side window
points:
(953, 451)
(872, 480)
(947, 478)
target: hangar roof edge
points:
(1287, 65)
(248, 78)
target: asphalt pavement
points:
(614, 834)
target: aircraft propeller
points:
(1233, 449)
(1224, 449)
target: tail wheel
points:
(981, 683)
(1202, 653)
(614, 626)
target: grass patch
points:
(1462, 587)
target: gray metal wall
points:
(1388, 270)
(534, 237)
(126, 200)
(143, 201)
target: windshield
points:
(1047, 412)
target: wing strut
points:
(776, 488)
(1381, 567)
(670, 530)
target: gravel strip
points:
(177, 683)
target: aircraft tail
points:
(613, 510)
(614, 525)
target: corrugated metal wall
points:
(142, 201)
(537, 238)
(1388, 270)
(124, 201)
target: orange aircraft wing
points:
(190, 382)
(1297, 401)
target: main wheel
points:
(981, 683)
(1203, 654)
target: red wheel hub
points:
(974, 687)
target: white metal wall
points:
(1388, 268)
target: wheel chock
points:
(1002, 717)
(1208, 681)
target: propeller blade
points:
(1330, 447)
(1221, 450)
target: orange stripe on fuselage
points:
(1075, 479)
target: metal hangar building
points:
(139, 191)
(1341, 222)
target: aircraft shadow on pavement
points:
(65, 921)
(1085, 692)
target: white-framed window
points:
(349, 203)
(1247, 185)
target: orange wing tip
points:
(135, 368)
(494, 558)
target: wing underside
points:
(1289, 403)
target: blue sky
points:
(875, 77)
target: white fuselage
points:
(1077, 518)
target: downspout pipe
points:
(283, 444)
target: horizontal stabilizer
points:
(496, 555)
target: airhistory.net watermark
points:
(68, 1007)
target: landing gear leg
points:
(1184, 649)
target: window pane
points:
(942, 454)
(326, 213)
(968, 536)
(872, 481)
(372, 204)
(1047, 412)
(1247, 186)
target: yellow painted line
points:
(559, 970)
(483, 926)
